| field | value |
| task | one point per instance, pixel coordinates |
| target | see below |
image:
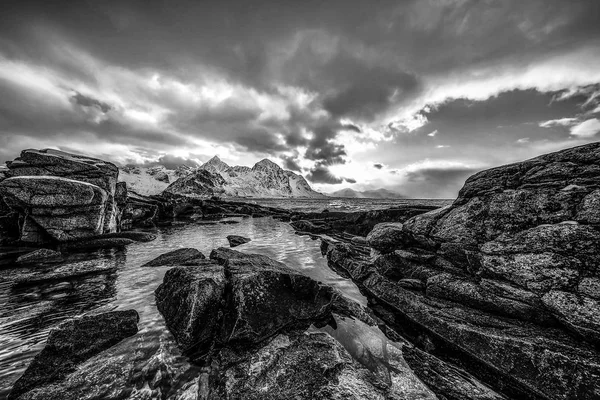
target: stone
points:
(41, 255)
(97, 243)
(61, 196)
(62, 272)
(580, 313)
(73, 342)
(190, 300)
(235, 240)
(176, 257)
(386, 237)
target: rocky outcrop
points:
(185, 256)
(61, 196)
(73, 342)
(40, 255)
(505, 279)
(235, 240)
(244, 318)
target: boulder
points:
(40, 255)
(386, 237)
(61, 196)
(185, 256)
(73, 342)
(235, 240)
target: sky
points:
(413, 96)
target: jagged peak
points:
(266, 163)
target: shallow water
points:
(28, 313)
(345, 204)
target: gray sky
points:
(413, 96)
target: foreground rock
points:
(73, 342)
(244, 317)
(185, 256)
(235, 240)
(61, 196)
(41, 255)
(505, 279)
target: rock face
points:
(264, 179)
(61, 196)
(507, 275)
(244, 318)
(185, 256)
(235, 240)
(73, 342)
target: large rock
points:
(245, 317)
(505, 279)
(61, 196)
(73, 342)
(386, 237)
(264, 297)
(185, 256)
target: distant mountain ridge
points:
(367, 194)
(264, 179)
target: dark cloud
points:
(171, 162)
(321, 174)
(358, 62)
(291, 163)
(378, 166)
(350, 180)
(90, 102)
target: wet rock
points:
(61, 196)
(306, 366)
(73, 342)
(63, 272)
(447, 380)
(190, 300)
(97, 244)
(386, 237)
(527, 360)
(310, 226)
(176, 257)
(511, 273)
(229, 222)
(134, 235)
(264, 297)
(41, 255)
(235, 240)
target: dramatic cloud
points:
(326, 87)
(378, 166)
(587, 128)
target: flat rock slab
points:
(65, 272)
(39, 256)
(185, 256)
(235, 240)
(73, 342)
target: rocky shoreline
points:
(496, 296)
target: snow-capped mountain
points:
(151, 180)
(264, 179)
(367, 194)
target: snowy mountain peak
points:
(266, 164)
(215, 165)
(264, 179)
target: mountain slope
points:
(264, 179)
(367, 194)
(151, 180)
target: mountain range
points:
(216, 178)
(367, 194)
